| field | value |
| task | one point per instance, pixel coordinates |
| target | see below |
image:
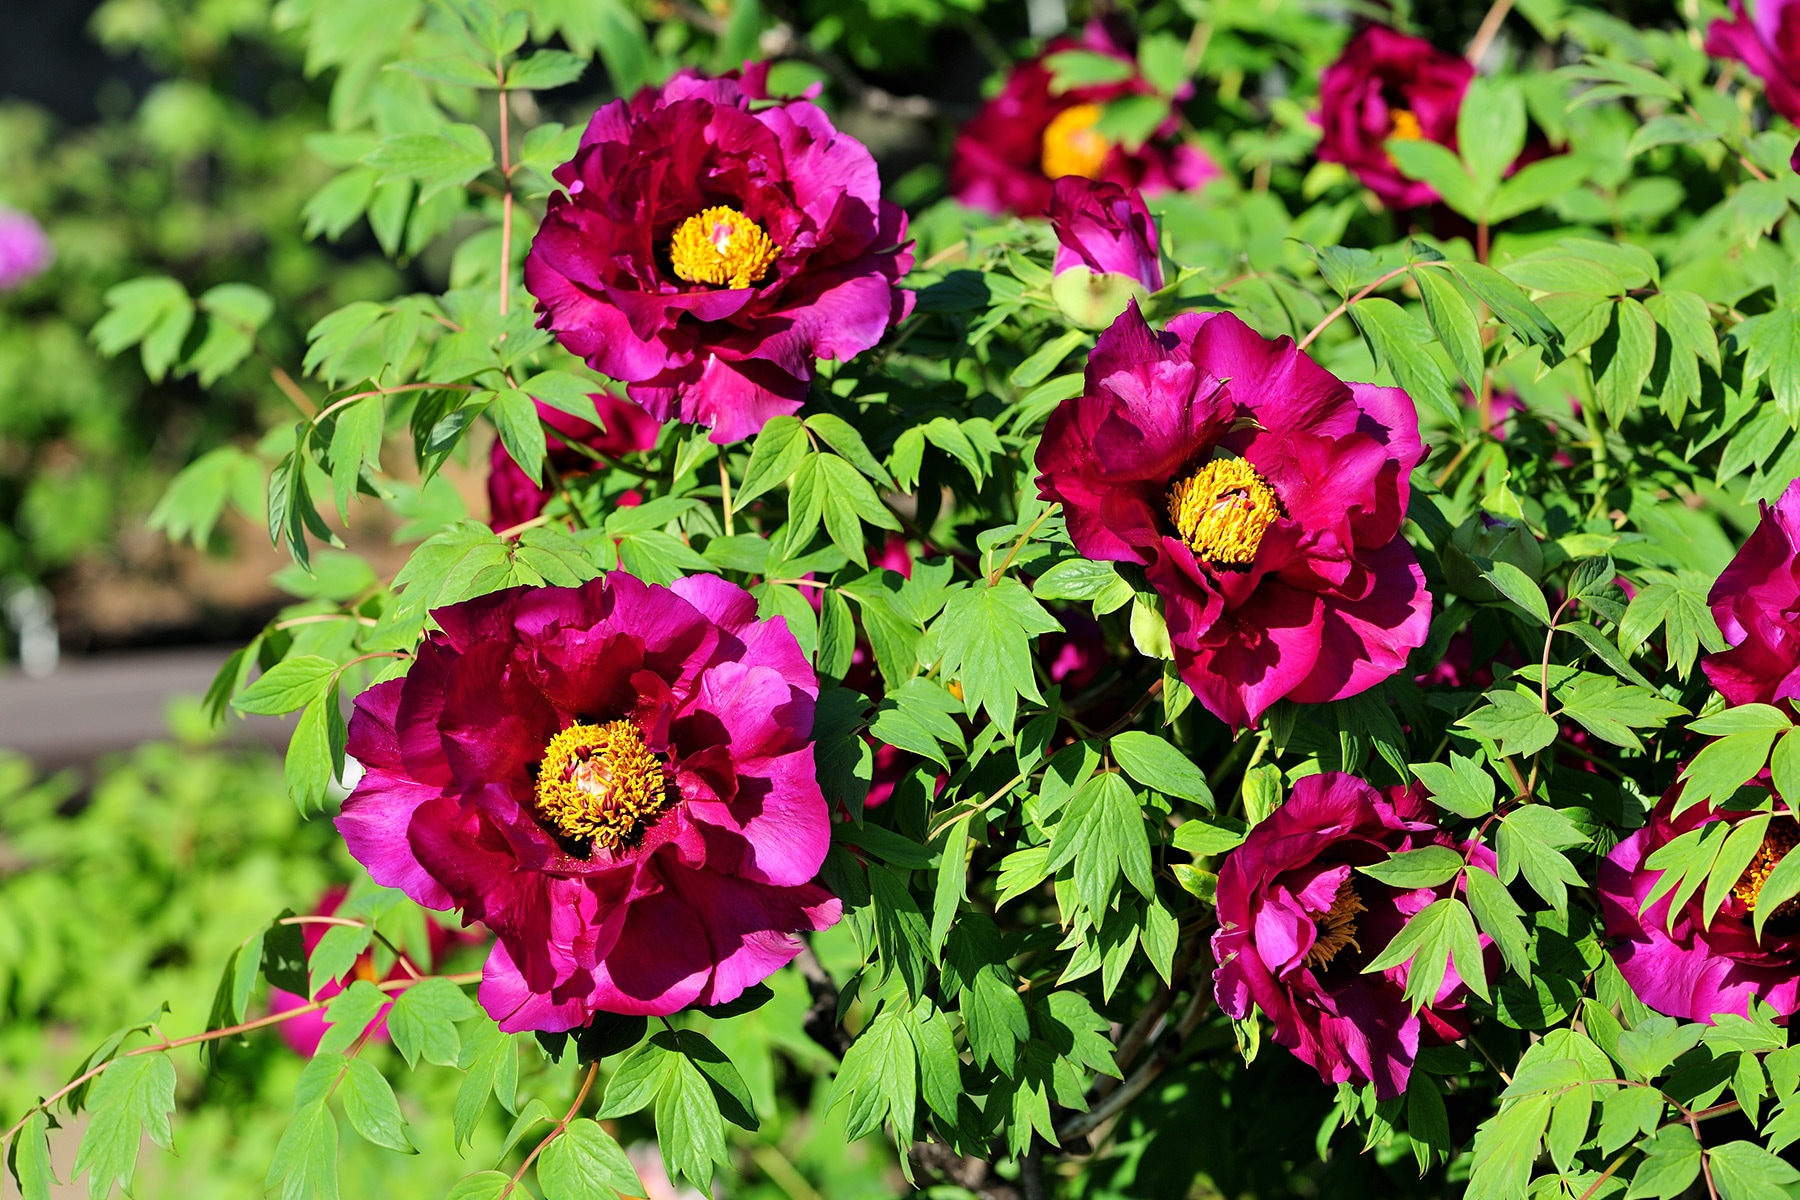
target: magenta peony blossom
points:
(1386, 85)
(617, 779)
(1756, 602)
(1692, 972)
(1105, 228)
(1007, 156)
(513, 499)
(1262, 496)
(707, 253)
(25, 252)
(1769, 44)
(1297, 923)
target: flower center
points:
(600, 784)
(1783, 836)
(1222, 511)
(1404, 126)
(1071, 147)
(1337, 926)
(722, 245)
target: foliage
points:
(1601, 346)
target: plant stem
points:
(725, 490)
(1490, 26)
(586, 1083)
(506, 197)
(1343, 308)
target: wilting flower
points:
(1105, 228)
(617, 779)
(514, 499)
(1298, 922)
(304, 1032)
(1697, 971)
(1756, 603)
(707, 253)
(25, 253)
(1024, 138)
(1387, 86)
(1769, 44)
(1262, 496)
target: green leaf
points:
(637, 1080)
(1203, 838)
(315, 754)
(1046, 358)
(1409, 869)
(350, 1012)
(546, 69)
(1741, 718)
(984, 634)
(1724, 766)
(1499, 916)
(1426, 160)
(422, 1021)
(1670, 1165)
(1622, 359)
(773, 457)
(842, 436)
(879, 1079)
(689, 1128)
(235, 312)
(1515, 720)
(305, 1161)
(30, 1158)
(1518, 587)
(1453, 321)
(1462, 787)
(1153, 762)
(369, 1103)
(516, 417)
(1610, 711)
(1102, 832)
(438, 161)
(1075, 579)
(1070, 69)
(901, 930)
(1745, 1171)
(1505, 1146)
(464, 72)
(1490, 128)
(1530, 841)
(155, 312)
(131, 1101)
(584, 1156)
(1398, 340)
(1510, 303)
(290, 684)
(491, 1059)
(734, 1099)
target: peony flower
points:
(1298, 922)
(1262, 496)
(1769, 44)
(514, 499)
(617, 779)
(1697, 972)
(1105, 228)
(1005, 158)
(25, 251)
(1388, 86)
(1756, 602)
(707, 253)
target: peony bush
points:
(1268, 574)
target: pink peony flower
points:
(1105, 228)
(1262, 496)
(617, 779)
(513, 499)
(1387, 86)
(1769, 44)
(707, 252)
(25, 252)
(1756, 602)
(1297, 923)
(1696, 971)
(1006, 158)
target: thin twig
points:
(1490, 26)
(1343, 308)
(1018, 545)
(586, 1083)
(725, 489)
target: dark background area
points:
(48, 57)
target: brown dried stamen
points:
(1782, 836)
(1336, 926)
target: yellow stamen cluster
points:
(721, 245)
(1222, 511)
(1337, 927)
(600, 784)
(1071, 146)
(1783, 836)
(1404, 126)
